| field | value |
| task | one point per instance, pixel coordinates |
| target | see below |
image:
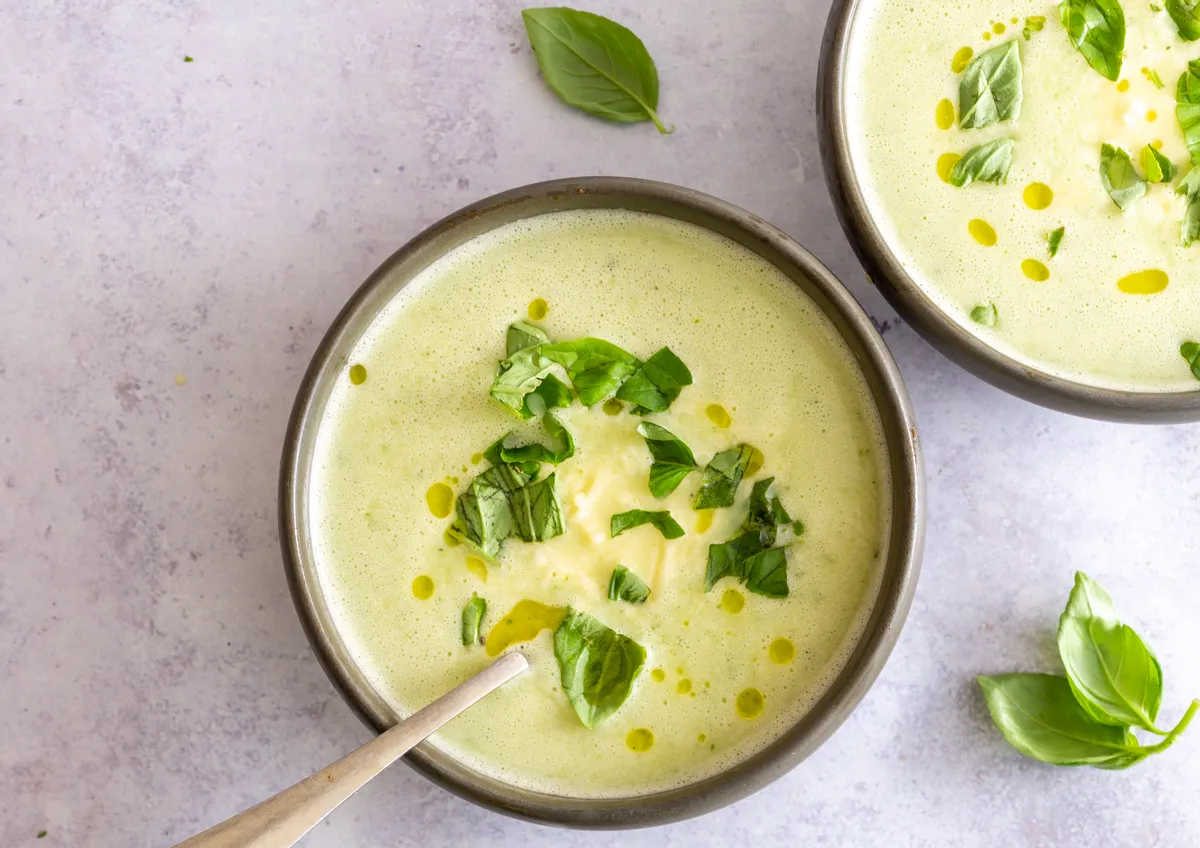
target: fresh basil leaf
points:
(484, 517)
(596, 367)
(990, 89)
(985, 314)
(766, 573)
(472, 617)
(987, 163)
(1183, 13)
(538, 452)
(1089, 600)
(1187, 108)
(519, 374)
(594, 64)
(1119, 177)
(1039, 716)
(727, 558)
(1189, 225)
(1158, 168)
(598, 666)
(1097, 29)
(662, 519)
(760, 516)
(722, 476)
(656, 384)
(781, 514)
(537, 514)
(1190, 351)
(624, 585)
(1054, 240)
(552, 393)
(673, 460)
(522, 335)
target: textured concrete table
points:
(175, 237)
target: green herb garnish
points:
(1187, 108)
(484, 517)
(1153, 76)
(1190, 351)
(1189, 225)
(596, 367)
(987, 163)
(985, 314)
(1097, 29)
(1119, 178)
(522, 335)
(1183, 13)
(1158, 168)
(597, 665)
(766, 573)
(1054, 240)
(537, 514)
(519, 374)
(522, 454)
(722, 476)
(656, 384)
(749, 556)
(594, 64)
(990, 89)
(1113, 683)
(624, 585)
(472, 616)
(661, 519)
(186, 59)
(673, 460)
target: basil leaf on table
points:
(537, 514)
(1119, 178)
(598, 666)
(990, 89)
(537, 452)
(1190, 351)
(656, 384)
(673, 460)
(661, 519)
(472, 617)
(1189, 225)
(987, 163)
(1183, 13)
(722, 476)
(624, 585)
(1115, 677)
(594, 64)
(1054, 240)
(1187, 108)
(1158, 168)
(1097, 29)
(596, 367)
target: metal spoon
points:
(280, 821)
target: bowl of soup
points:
(639, 435)
(1015, 181)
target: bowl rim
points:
(916, 307)
(904, 458)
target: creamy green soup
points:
(1114, 304)
(726, 670)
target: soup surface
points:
(1118, 299)
(726, 670)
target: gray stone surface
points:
(162, 218)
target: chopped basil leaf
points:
(990, 89)
(673, 460)
(1187, 108)
(661, 519)
(722, 476)
(1189, 226)
(987, 163)
(766, 573)
(761, 518)
(985, 314)
(656, 384)
(1054, 239)
(521, 373)
(186, 59)
(538, 452)
(472, 616)
(484, 514)
(553, 393)
(1119, 177)
(749, 556)
(537, 514)
(1155, 78)
(1183, 13)
(522, 335)
(1097, 29)
(1190, 351)
(596, 367)
(726, 558)
(1158, 168)
(597, 665)
(624, 585)
(781, 514)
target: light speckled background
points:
(161, 218)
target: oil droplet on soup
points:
(476, 458)
(781, 651)
(659, 675)
(612, 406)
(683, 686)
(1035, 270)
(945, 165)
(945, 114)
(1144, 282)
(998, 28)
(538, 309)
(478, 567)
(423, 587)
(982, 232)
(987, 36)
(755, 464)
(961, 59)
(702, 738)
(749, 703)
(1123, 85)
(525, 621)
(732, 601)
(717, 415)
(639, 740)
(1038, 195)
(1151, 115)
(358, 374)
(440, 499)
(704, 518)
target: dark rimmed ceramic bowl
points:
(908, 498)
(917, 308)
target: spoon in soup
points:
(280, 821)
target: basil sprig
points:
(1097, 29)
(624, 585)
(597, 665)
(1119, 177)
(1113, 683)
(987, 163)
(594, 64)
(722, 476)
(1187, 108)
(673, 460)
(661, 519)
(1190, 351)
(990, 89)
(1183, 13)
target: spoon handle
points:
(280, 821)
